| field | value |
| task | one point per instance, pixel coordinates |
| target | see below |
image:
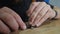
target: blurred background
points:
(55, 2)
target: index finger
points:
(16, 16)
(32, 7)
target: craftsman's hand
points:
(39, 12)
(10, 20)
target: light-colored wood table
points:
(53, 27)
(49, 27)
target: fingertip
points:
(37, 25)
(24, 27)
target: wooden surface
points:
(49, 27)
(52, 27)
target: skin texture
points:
(39, 12)
(10, 18)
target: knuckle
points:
(4, 8)
(48, 6)
(43, 3)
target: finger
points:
(41, 14)
(52, 13)
(4, 28)
(16, 16)
(43, 19)
(9, 20)
(32, 7)
(36, 11)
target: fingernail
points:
(24, 27)
(37, 25)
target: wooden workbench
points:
(49, 27)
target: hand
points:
(10, 18)
(39, 12)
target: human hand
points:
(10, 20)
(39, 12)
